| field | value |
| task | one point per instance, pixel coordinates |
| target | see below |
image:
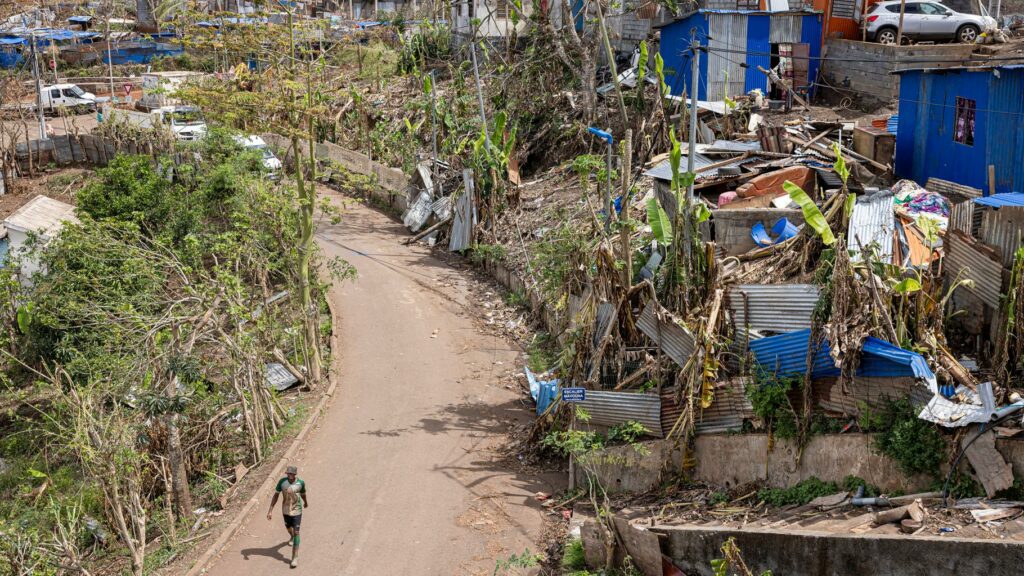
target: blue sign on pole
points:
(574, 394)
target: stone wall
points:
(732, 460)
(863, 71)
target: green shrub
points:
(800, 494)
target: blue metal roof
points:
(6, 40)
(1004, 199)
(786, 355)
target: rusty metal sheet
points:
(727, 412)
(674, 340)
(614, 408)
(773, 307)
(967, 257)
(962, 218)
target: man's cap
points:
(291, 470)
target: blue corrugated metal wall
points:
(1006, 128)
(811, 34)
(759, 51)
(925, 147)
(675, 43)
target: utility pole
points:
(39, 91)
(691, 141)
(694, 86)
(899, 32)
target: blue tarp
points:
(12, 40)
(544, 392)
(80, 19)
(786, 355)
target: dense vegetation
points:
(133, 372)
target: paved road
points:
(402, 473)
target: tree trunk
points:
(179, 472)
(307, 196)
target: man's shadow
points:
(273, 552)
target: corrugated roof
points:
(614, 408)
(663, 171)
(774, 307)
(41, 215)
(786, 355)
(872, 222)
(1004, 199)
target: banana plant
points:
(812, 215)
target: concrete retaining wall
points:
(391, 185)
(732, 460)
(810, 554)
(863, 70)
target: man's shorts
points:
(292, 521)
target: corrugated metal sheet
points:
(962, 218)
(773, 307)
(928, 108)
(663, 171)
(614, 408)
(786, 28)
(872, 222)
(674, 50)
(1000, 200)
(1003, 230)
(759, 50)
(786, 355)
(811, 34)
(829, 393)
(843, 8)
(605, 318)
(674, 340)
(1004, 141)
(727, 42)
(951, 190)
(969, 258)
(463, 219)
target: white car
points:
(270, 162)
(925, 21)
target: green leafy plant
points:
(800, 494)
(630, 431)
(573, 558)
(661, 225)
(812, 215)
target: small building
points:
(737, 42)
(41, 218)
(959, 123)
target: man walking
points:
(293, 502)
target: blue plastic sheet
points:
(544, 392)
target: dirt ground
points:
(406, 471)
(57, 184)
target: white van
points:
(67, 96)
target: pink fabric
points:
(725, 198)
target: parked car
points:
(925, 21)
(270, 162)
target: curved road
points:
(402, 472)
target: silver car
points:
(925, 21)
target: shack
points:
(737, 42)
(964, 125)
(34, 225)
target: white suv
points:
(925, 21)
